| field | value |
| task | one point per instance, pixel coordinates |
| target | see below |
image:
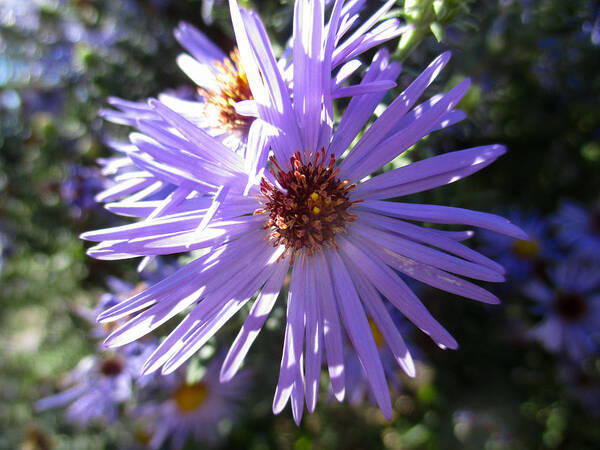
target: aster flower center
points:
(190, 397)
(310, 205)
(570, 306)
(232, 87)
(111, 367)
(526, 249)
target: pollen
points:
(310, 205)
(232, 87)
(190, 397)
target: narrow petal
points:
(382, 127)
(377, 310)
(429, 173)
(359, 332)
(396, 291)
(444, 214)
(314, 330)
(254, 323)
(332, 332)
(294, 339)
(391, 147)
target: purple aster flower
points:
(98, 386)
(570, 310)
(522, 258)
(308, 212)
(193, 410)
(579, 228)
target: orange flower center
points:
(312, 207)
(232, 87)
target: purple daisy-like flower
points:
(579, 228)
(571, 310)
(522, 258)
(99, 384)
(308, 212)
(193, 410)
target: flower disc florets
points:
(190, 397)
(232, 87)
(112, 367)
(570, 306)
(311, 206)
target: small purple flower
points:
(99, 385)
(570, 310)
(579, 228)
(292, 201)
(522, 258)
(194, 410)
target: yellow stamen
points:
(190, 397)
(526, 249)
(316, 210)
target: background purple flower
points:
(194, 411)
(579, 228)
(522, 258)
(570, 309)
(94, 390)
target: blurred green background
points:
(534, 66)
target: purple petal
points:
(254, 323)
(429, 173)
(396, 291)
(314, 330)
(359, 332)
(332, 332)
(294, 339)
(444, 214)
(391, 147)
